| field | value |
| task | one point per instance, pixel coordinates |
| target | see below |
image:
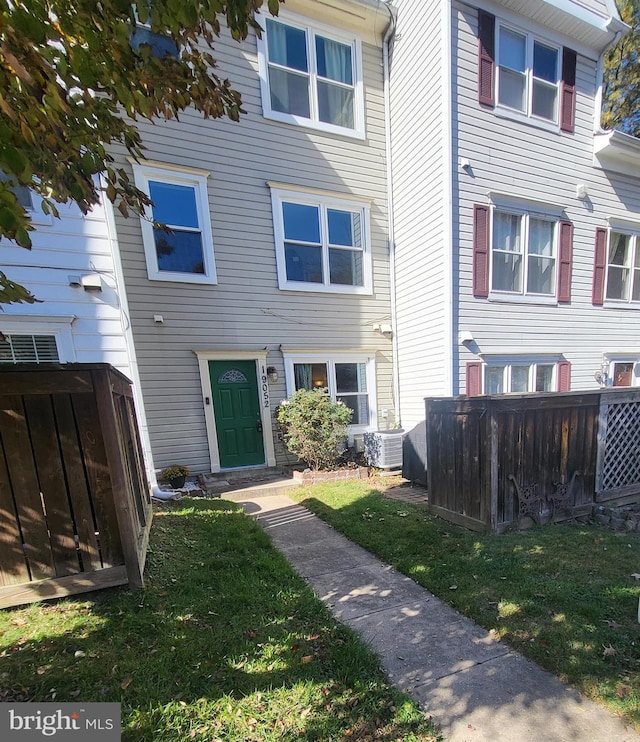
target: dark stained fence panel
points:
(84, 519)
(485, 454)
(74, 502)
(24, 483)
(12, 557)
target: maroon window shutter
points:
(564, 263)
(568, 91)
(474, 378)
(486, 57)
(599, 267)
(564, 376)
(481, 251)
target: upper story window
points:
(311, 76)
(528, 74)
(525, 77)
(181, 249)
(623, 267)
(322, 244)
(521, 252)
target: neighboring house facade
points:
(515, 220)
(275, 275)
(74, 272)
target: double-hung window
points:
(623, 267)
(176, 230)
(523, 254)
(349, 379)
(322, 243)
(311, 76)
(528, 74)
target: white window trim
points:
(510, 361)
(513, 113)
(613, 358)
(330, 358)
(629, 303)
(524, 296)
(59, 327)
(197, 179)
(310, 28)
(278, 195)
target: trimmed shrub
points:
(314, 427)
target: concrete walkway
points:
(475, 688)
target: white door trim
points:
(260, 358)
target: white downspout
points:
(447, 165)
(392, 249)
(128, 337)
(600, 80)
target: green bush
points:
(314, 427)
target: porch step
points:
(243, 480)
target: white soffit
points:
(618, 152)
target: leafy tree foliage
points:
(621, 93)
(75, 75)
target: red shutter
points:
(481, 251)
(486, 56)
(568, 91)
(474, 378)
(564, 376)
(599, 267)
(564, 263)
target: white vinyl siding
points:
(181, 249)
(322, 243)
(419, 131)
(311, 75)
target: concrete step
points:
(245, 480)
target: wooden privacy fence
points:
(75, 509)
(493, 460)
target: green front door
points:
(236, 407)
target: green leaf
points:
(22, 238)
(14, 293)
(13, 161)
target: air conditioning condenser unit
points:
(383, 449)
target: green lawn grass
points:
(225, 643)
(563, 595)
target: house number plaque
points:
(265, 386)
